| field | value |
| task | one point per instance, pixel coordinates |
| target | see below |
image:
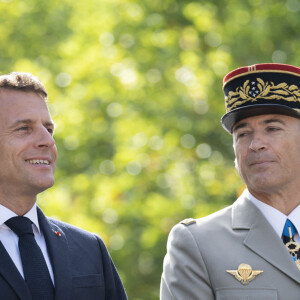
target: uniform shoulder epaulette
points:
(188, 221)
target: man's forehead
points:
(17, 99)
(16, 106)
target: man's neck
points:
(285, 202)
(20, 206)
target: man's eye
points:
(241, 134)
(50, 130)
(273, 128)
(23, 128)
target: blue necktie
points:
(35, 269)
(289, 231)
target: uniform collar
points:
(275, 217)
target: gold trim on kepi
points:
(244, 274)
(261, 89)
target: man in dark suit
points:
(41, 258)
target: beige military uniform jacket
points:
(199, 253)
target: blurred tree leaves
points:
(135, 88)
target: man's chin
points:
(264, 187)
(43, 186)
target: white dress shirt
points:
(276, 218)
(10, 240)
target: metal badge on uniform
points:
(244, 273)
(188, 221)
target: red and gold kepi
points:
(261, 89)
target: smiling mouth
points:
(38, 162)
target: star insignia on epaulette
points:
(244, 274)
(188, 221)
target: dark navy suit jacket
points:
(82, 267)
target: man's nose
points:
(258, 143)
(44, 138)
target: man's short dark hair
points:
(22, 81)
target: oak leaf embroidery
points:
(266, 90)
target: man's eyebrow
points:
(29, 122)
(268, 121)
(239, 126)
(49, 124)
(19, 122)
(274, 120)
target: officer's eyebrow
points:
(274, 120)
(268, 121)
(239, 126)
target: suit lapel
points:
(11, 274)
(262, 238)
(58, 251)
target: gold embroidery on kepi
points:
(254, 90)
(261, 89)
(244, 274)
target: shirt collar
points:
(6, 214)
(275, 217)
(294, 217)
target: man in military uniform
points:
(249, 250)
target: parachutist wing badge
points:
(235, 274)
(254, 273)
(244, 274)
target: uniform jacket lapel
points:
(58, 251)
(262, 238)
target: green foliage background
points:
(135, 88)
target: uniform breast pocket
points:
(246, 294)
